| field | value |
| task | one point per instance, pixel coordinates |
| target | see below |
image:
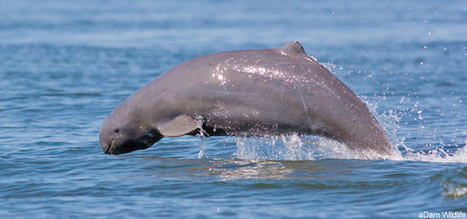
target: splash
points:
(292, 147)
(390, 120)
(302, 147)
(202, 134)
(296, 147)
(306, 147)
(273, 147)
(439, 155)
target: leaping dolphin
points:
(246, 92)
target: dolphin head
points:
(124, 131)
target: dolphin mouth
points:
(125, 148)
(109, 151)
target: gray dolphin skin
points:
(244, 93)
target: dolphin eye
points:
(116, 130)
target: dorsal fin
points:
(292, 48)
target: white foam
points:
(296, 147)
(438, 155)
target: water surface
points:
(65, 65)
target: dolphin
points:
(244, 93)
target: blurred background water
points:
(64, 65)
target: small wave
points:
(456, 192)
(440, 155)
(454, 183)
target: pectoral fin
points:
(180, 125)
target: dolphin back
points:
(270, 91)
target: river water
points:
(64, 65)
